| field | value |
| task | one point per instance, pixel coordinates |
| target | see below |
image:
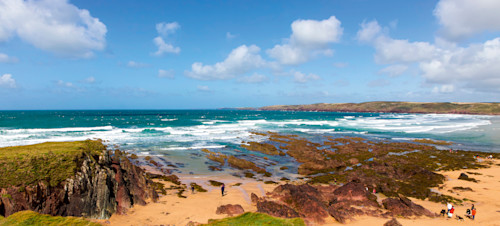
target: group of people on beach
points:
(470, 213)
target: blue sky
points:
(57, 54)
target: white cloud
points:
(394, 70)
(309, 38)
(7, 81)
(52, 25)
(135, 64)
(166, 74)
(164, 30)
(203, 89)
(255, 78)
(463, 18)
(390, 50)
(240, 61)
(229, 35)
(443, 89)
(164, 47)
(4, 58)
(473, 68)
(300, 77)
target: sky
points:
(94, 54)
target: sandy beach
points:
(201, 206)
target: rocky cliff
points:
(103, 184)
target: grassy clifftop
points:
(396, 107)
(33, 218)
(51, 162)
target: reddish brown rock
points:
(275, 209)
(102, 186)
(393, 222)
(230, 209)
(402, 206)
(254, 198)
(355, 193)
(305, 199)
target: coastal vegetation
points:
(395, 107)
(29, 217)
(250, 218)
(49, 163)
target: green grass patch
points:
(249, 218)
(50, 162)
(28, 217)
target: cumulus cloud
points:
(394, 70)
(164, 30)
(389, 50)
(240, 61)
(463, 18)
(52, 25)
(166, 74)
(135, 64)
(474, 67)
(4, 58)
(443, 89)
(255, 78)
(300, 77)
(309, 38)
(7, 81)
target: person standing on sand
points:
(222, 189)
(449, 206)
(473, 213)
(192, 189)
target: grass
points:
(249, 218)
(397, 107)
(28, 217)
(50, 162)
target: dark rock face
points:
(355, 193)
(230, 209)
(276, 209)
(404, 207)
(305, 199)
(100, 188)
(393, 222)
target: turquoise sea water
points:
(179, 135)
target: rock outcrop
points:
(104, 184)
(403, 206)
(230, 209)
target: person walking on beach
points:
(192, 189)
(222, 189)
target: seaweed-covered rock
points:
(254, 198)
(275, 209)
(230, 209)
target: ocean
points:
(179, 135)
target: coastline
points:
(200, 207)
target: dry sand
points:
(200, 207)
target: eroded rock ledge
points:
(103, 184)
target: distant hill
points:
(396, 107)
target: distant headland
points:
(395, 107)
